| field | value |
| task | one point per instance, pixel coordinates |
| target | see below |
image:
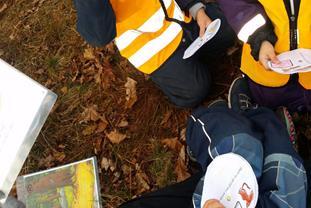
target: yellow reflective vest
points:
(276, 11)
(144, 36)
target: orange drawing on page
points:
(247, 194)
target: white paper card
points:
(210, 32)
(231, 180)
(24, 106)
(295, 61)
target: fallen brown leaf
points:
(116, 137)
(166, 117)
(172, 143)
(104, 164)
(27, 27)
(64, 90)
(90, 114)
(110, 48)
(130, 89)
(47, 161)
(143, 181)
(124, 64)
(12, 36)
(98, 76)
(88, 54)
(101, 127)
(181, 165)
(181, 170)
(182, 135)
(4, 7)
(107, 77)
(39, 71)
(182, 154)
(48, 83)
(115, 181)
(89, 130)
(59, 156)
(97, 144)
(61, 146)
(123, 123)
(126, 169)
(112, 165)
(116, 176)
(88, 73)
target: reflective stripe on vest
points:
(157, 44)
(250, 27)
(153, 24)
(276, 12)
(143, 44)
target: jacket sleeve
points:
(244, 16)
(250, 21)
(264, 33)
(96, 21)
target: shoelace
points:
(245, 102)
(291, 127)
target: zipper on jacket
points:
(293, 26)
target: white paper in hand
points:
(231, 180)
(210, 32)
(295, 61)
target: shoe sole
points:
(230, 90)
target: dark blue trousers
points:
(186, 82)
(259, 137)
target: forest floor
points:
(105, 107)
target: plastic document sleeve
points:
(24, 107)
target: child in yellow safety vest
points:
(267, 29)
(153, 36)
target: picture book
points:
(75, 185)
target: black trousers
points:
(177, 195)
(186, 82)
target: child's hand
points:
(203, 21)
(266, 54)
(213, 203)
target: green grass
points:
(161, 167)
